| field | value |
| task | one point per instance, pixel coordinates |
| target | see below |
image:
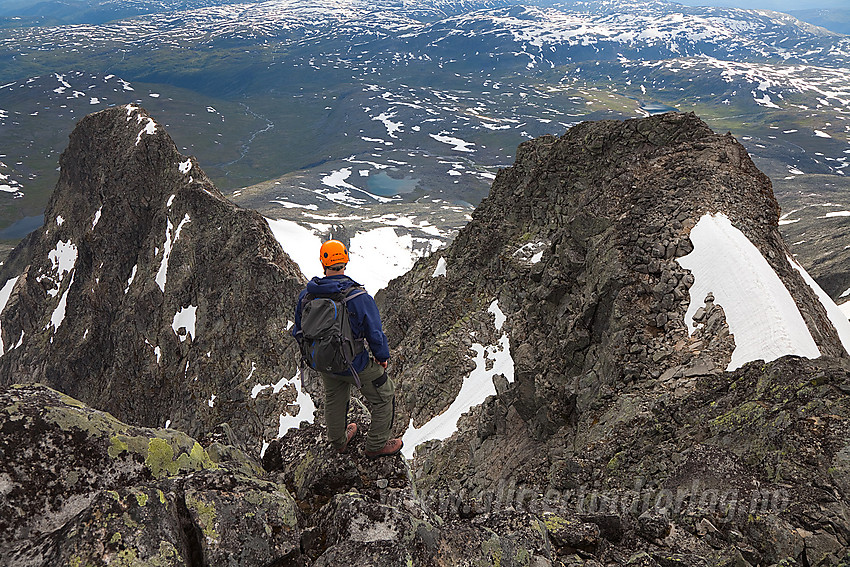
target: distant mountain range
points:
(334, 114)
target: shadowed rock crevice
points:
(191, 534)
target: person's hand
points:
(383, 364)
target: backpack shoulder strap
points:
(351, 292)
(307, 299)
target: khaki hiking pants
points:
(379, 392)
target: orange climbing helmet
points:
(333, 252)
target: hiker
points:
(328, 297)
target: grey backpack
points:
(326, 340)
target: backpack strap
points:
(348, 294)
(351, 292)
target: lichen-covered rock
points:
(147, 294)
(82, 488)
(355, 510)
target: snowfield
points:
(376, 255)
(759, 309)
(475, 389)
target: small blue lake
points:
(386, 186)
(653, 107)
(21, 228)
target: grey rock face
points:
(615, 411)
(358, 511)
(146, 293)
(610, 206)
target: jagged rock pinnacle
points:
(146, 293)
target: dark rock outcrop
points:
(609, 208)
(358, 511)
(614, 406)
(149, 295)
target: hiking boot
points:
(350, 432)
(392, 447)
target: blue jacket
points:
(364, 317)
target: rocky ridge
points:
(146, 293)
(608, 208)
(578, 246)
(613, 437)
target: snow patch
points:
(185, 166)
(392, 127)
(764, 101)
(459, 145)
(760, 311)
(149, 129)
(63, 257)
(475, 389)
(289, 205)
(337, 178)
(5, 294)
(441, 268)
(302, 244)
(58, 315)
(185, 319)
(835, 314)
(171, 237)
(531, 253)
(378, 256)
(497, 314)
(96, 217)
(306, 407)
(130, 280)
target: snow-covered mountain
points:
(317, 111)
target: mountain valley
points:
(305, 109)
